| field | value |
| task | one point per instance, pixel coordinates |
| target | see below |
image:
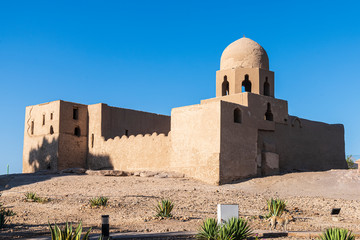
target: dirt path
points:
(310, 197)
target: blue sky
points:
(156, 55)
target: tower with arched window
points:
(244, 67)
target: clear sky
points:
(156, 55)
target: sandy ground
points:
(310, 197)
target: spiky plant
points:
(31, 196)
(3, 220)
(225, 234)
(238, 228)
(67, 233)
(336, 234)
(276, 207)
(164, 208)
(98, 202)
(209, 230)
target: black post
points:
(105, 226)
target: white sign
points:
(227, 211)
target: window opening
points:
(266, 87)
(75, 113)
(246, 84)
(51, 130)
(237, 115)
(51, 116)
(126, 132)
(225, 87)
(92, 140)
(77, 131)
(268, 115)
(43, 123)
(32, 127)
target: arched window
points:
(77, 131)
(246, 84)
(268, 115)
(225, 87)
(237, 115)
(51, 130)
(266, 87)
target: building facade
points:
(243, 132)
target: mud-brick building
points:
(243, 132)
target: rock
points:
(114, 173)
(175, 175)
(161, 175)
(147, 174)
(73, 170)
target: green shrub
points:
(98, 202)
(336, 234)
(67, 233)
(276, 207)
(350, 162)
(3, 220)
(238, 228)
(4, 214)
(209, 230)
(32, 197)
(164, 208)
(233, 229)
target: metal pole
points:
(105, 226)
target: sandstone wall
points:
(195, 139)
(238, 144)
(41, 134)
(120, 121)
(133, 153)
(309, 145)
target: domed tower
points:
(244, 67)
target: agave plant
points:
(238, 228)
(336, 234)
(98, 201)
(276, 207)
(164, 208)
(3, 220)
(31, 196)
(209, 230)
(67, 233)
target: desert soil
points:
(310, 197)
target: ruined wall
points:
(120, 121)
(238, 144)
(307, 145)
(133, 153)
(41, 134)
(195, 139)
(146, 151)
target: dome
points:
(244, 53)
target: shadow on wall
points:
(99, 162)
(45, 156)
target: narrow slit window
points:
(51, 130)
(268, 115)
(92, 140)
(237, 115)
(266, 87)
(77, 132)
(75, 113)
(126, 132)
(43, 123)
(32, 127)
(51, 116)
